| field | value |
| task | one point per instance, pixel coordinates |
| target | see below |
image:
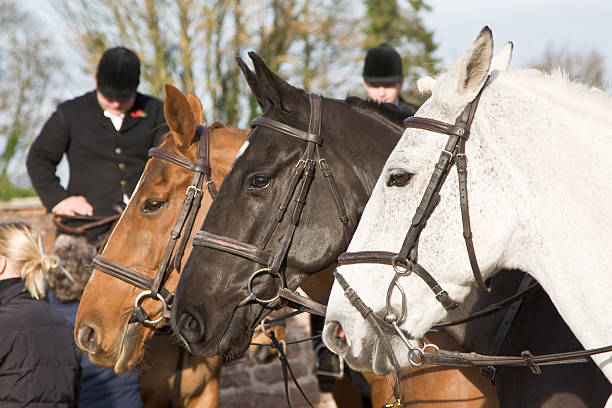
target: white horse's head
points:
(535, 153)
(389, 212)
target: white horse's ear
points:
(501, 62)
(463, 81)
(425, 84)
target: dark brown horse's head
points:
(213, 318)
(138, 242)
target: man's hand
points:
(73, 205)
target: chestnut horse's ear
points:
(271, 85)
(253, 83)
(196, 108)
(179, 117)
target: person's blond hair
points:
(23, 246)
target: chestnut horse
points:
(103, 327)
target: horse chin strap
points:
(300, 182)
(153, 288)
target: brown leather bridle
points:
(304, 171)
(153, 288)
(405, 261)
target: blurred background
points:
(49, 50)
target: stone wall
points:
(244, 384)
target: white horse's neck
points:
(561, 187)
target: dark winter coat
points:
(104, 163)
(101, 387)
(39, 362)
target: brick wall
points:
(244, 384)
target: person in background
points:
(383, 75)
(105, 134)
(39, 362)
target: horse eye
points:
(152, 205)
(259, 181)
(399, 179)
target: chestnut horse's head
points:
(106, 326)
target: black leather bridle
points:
(153, 288)
(303, 172)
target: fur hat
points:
(382, 65)
(75, 254)
(118, 73)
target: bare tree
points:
(587, 66)
(193, 43)
(28, 68)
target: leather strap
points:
(94, 221)
(127, 275)
(458, 359)
(247, 251)
(287, 130)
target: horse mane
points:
(388, 111)
(558, 88)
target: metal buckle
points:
(147, 293)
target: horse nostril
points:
(87, 339)
(335, 337)
(190, 327)
(340, 332)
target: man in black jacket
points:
(105, 134)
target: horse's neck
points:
(560, 178)
(362, 142)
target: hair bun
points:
(49, 263)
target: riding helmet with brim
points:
(118, 73)
(382, 65)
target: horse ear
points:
(196, 108)
(501, 62)
(464, 80)
(272, 85)
(179, 117)
(252, 81)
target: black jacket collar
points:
(10, 289)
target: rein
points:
(301, 180)
(153, 288)
(93, 221)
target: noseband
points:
(153, 288)
(304, 171)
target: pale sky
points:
(532, 25)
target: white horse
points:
(540, 191)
